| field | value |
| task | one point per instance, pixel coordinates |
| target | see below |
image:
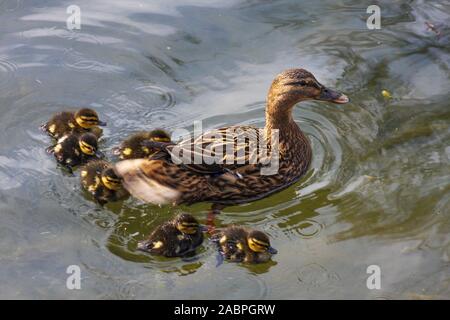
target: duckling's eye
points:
(112, 180)
(89, 119)
(87, 147)
(189, 225)
(260, 243)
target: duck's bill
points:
(272, 250)
(333, 96)
(102, 123)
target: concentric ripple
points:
(142, 107)
(76, 61)
(7, 73)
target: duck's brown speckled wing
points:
(221, 150)
(175, 179)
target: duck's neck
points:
(279, 117)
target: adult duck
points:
(196, 170)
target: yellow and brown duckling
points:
(135, 146)
(75, 149)
(99, 178)
(175, 238)
(83, 120)
(239, 244)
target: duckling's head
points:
(88, 143)
(88, 118)
(295, 85)
(159, 135)
(187, 224)
(110, 179)
(259, 242)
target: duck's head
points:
(259, 242)
(187, 224)
(295, 85)
(88, 144)
(88, 118)
(110, 179)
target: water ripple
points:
(7, 73)
(76, 61)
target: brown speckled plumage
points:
(166, 181)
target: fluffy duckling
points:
(83, 120)
(175, 238)
(99, 178)
(135, 147)
(238, 244)
(75, 149)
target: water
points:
(378, 190)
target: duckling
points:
(75, 149)
(174, 238)
(99, 178)
(83, 120)
(134, 147)
(238, 244)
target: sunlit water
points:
(378, 190)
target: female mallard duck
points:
(134, 147)
(221, 181)
(175, 238)
(63, 123)
(99, 178)
(238, 244)
(75, 149)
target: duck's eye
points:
(189, 224)
(297, 83)
(89, 119)
(161, 139)
(188, 228)
(86, 148)
(258, 245)
(113, 180)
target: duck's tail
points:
(139, 178)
